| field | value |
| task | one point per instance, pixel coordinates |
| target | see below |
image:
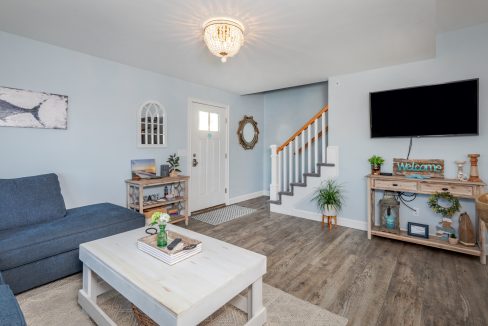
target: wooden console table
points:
(462, 189)
(135, 196)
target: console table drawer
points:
(459, 190)
(396, 185)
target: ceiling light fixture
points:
(223, 36)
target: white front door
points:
(208, 145)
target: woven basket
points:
(142, 318)
(482, 207)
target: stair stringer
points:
(298, 201)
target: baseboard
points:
(342, 221)
(245, 197)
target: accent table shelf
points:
(463, 189)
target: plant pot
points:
(173, 174)
(375, 169)
(453, 241)
(330, 212)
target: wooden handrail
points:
(312, 140)
(305, 126)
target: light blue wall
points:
(461, 55)
(286, 111)
(93, 156)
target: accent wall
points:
(92, 157)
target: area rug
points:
(224, 214)
(55, 304)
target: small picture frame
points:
(418, 230)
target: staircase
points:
(299, 166)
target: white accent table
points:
(183, 294)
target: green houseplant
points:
(376, 163)
(174, 164)
(329, 197)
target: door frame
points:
(226, 108)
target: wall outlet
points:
(415, 212)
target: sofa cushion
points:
(30, 200)
(10, 313)
(28, 244)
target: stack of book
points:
(148, 245)
(173, 212)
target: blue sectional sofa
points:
(39, 238)
(10, 313)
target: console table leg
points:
(482, 242)
(370, 193)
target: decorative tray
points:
(148, 245)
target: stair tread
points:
(312, 174)
(287, 193)
(299, 184)
(277, 202)
(325, 164)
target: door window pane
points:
(214, 122)
(203, 120)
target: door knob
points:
(195, 162)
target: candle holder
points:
(474, 175)
(460, 170)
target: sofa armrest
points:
(10, 313)
(1, 279)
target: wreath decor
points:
(444, 211)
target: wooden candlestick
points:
(474, 174)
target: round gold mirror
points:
(248, 132)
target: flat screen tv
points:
(435, 110)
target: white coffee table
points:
(183, 294)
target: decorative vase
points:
(460, 171)
(162, 239)
(375, 169)
(474, 175)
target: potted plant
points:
(452, 239)
(174, 164)
(376, 163)
(329, 198)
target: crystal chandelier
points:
(223, 36)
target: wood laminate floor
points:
(377, 282)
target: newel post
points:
(274, 186)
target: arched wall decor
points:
(152, 125)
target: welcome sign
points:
(430, 168)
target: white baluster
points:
(290, 162)
(303, 155)
(316, 146)
(309, 134)
(324, 137)
(273, 187)
(297, 179)
(280, 171)
(285, 169)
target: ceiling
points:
(288, 42)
